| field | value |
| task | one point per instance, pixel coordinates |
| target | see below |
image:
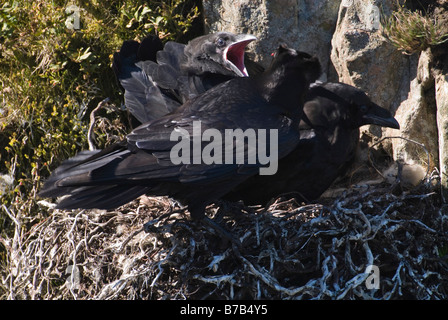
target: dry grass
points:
(412, 31)
(150, 249)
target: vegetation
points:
(55, 67)
(412, 31)
(54, 73)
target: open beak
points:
(234, 54)
(380, 117)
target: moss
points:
(52, 74)
(412, 31)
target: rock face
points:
(305, 25)
(441, 89)
(417, 116)
(363, 58)
(346, 37)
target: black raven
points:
(158, 79)
(329, 136)
(143, 164)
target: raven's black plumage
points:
(327, 145)
(112, 177)
(329, 136)
(158, 79)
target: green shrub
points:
(412, 31)
(53, 74)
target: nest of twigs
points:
(370, 242)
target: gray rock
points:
(441, 84)
(424, 118)
(346, 37)
(305, 25)
(363, 58)
(417, 117)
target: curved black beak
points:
(380, 117)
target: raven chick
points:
(157, 79)
(143, 164)
(329, 136)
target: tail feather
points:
(101, 197)
(123, 59)
(149, 48)
(107, 178)
(172, 54)
(143, 80)
(81, 164)
(144, 99)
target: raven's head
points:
(221, 53)
(287, 79)
(365, 111)
(287, 60)
(374, 114)
(352, 104)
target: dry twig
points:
(150, 249)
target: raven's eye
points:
(220, 42)
(364, 109)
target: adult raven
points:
(158, 79)
(143, 164)
(329, 136)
